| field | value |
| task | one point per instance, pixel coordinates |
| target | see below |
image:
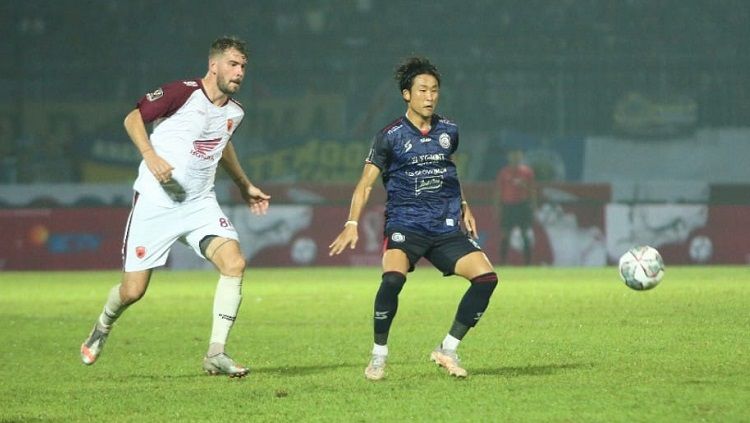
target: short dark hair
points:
(410, 68)
(222, 44)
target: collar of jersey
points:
(433, 124)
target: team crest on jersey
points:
(445, 140)
(157, 94)
(230, 125)
(398, 237)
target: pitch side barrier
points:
(68, 226)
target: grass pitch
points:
(556, 345)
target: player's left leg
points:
(458, 254)
(477, 269)
(214, 238)
(226, 255)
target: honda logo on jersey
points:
(201, 148)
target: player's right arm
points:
(349, 235)
(136, 130)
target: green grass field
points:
(556, 345)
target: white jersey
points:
(190, 133)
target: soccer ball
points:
(641, 268)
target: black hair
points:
(411, 68)
(223, 44)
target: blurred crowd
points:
(552, 67)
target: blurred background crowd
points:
(633, 114)
(320, 73)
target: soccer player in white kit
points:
(193, 122)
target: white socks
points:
(113, 308)
(227, 301)
(379, 349)
(450, 343)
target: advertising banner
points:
(683, 233)
(564, 234)
(47, 239)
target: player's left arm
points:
(255, 198)
(468, 217)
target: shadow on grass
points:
(161, 377)
(281, 371)
(302, 370)
(540, 370)
(516, 371)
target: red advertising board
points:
(572, 234)
(44, 239)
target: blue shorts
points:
(442, 250)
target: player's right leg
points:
(149, 234)
(132, 288)
(395, 267)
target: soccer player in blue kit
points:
(425, 212)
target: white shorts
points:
(152, 230)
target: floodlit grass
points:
(571, 345)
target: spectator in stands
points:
(516, 201)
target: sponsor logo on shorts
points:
(140, 252)
(474, 243)
(445, 140)
(398, 237)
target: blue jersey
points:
(420, 179)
